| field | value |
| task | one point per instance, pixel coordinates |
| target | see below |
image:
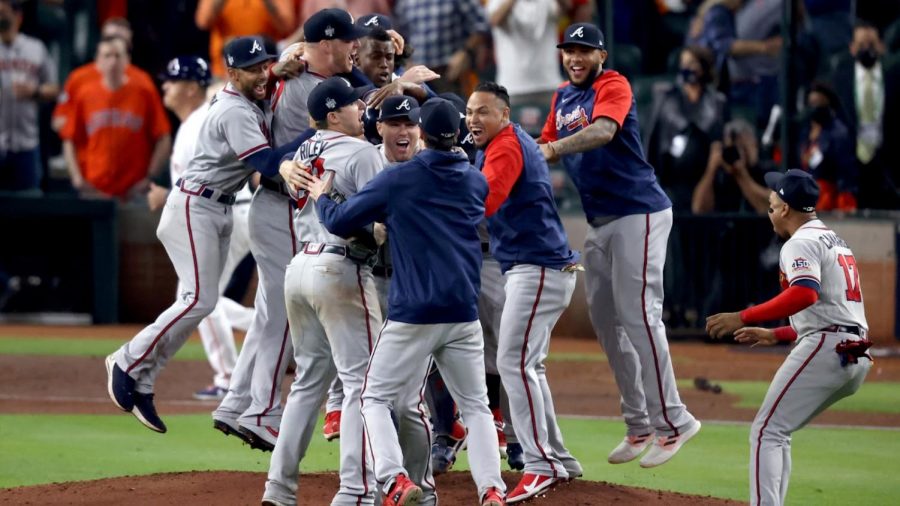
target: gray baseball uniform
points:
(333, 311)
(24, 61)
(254, 398)
(814, 376)
(195, 229)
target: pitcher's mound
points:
(241, 488)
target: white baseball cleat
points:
(630, 448)
(665, 447)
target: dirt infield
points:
(582, 385)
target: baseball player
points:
(529, 242)
(196, 224)
(252, 409)
(593, 127)
(184, 93)
(431, 312)
(331, 300)
(823, 298)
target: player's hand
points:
(24, 90)
(457, 65)
(773, 45)
(392, 88)
(755, 335)
(418, 74)
(290, 68)
(549, 153)
(379, 230)
(722, 324)
(290, 171)
(397, 39)
(315, 186)
(156, 197)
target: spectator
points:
(226, 19)
(826, 150)
(686, 127)
(716, 28)
(755, 62)
(88, 76)
(449, 37)
(27, 76)
(734, 179)
(117, 134)
(524, 48)
(356, 8)
(868, 92)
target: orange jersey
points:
(87, 77)
(114, 133)
(239, 18)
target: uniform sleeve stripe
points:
(798, 278)
(250, 151)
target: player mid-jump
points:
(823, 298)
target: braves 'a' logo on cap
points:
(256, 47)
(373, 21)
(469, 139)
(579, 32)
(404, 105)
(330, 103)
(173, 67)
(230, 60)
(329, 31)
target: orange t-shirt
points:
(239, 18)
(87, 77)
(114, 133)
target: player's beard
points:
(592, 74)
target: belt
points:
(844, 329)
(207, 193)
(270, 185)
(242, 201)
(311, 248)
(382, 271)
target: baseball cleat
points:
(260, 437)
(229, 428)
(530, 486)
(119, 385)
(665, 447)
(211, 393)
(630, 448)
(332, 428)
(403, 493)
(145, 412)
(515, 456)
(493, 497)
(501, 437)
(273, 502)
(443, 455)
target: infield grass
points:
(831, 466)
(81, 347)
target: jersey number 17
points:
(851, 275)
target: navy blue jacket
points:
(432, 206)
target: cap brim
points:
(772, 179)
(253, 61)
(585, 44)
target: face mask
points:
(867, 57)
(689, 76)
(821, 114)
(5, 24)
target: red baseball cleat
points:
(493, 497)
(403, 493)
(531, 485)
(332, 428)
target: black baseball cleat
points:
(145, 412)
(119, 385)
(224, 427)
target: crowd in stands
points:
(707, 76)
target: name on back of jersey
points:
(830, 240)
(310, 150)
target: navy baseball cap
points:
(797, 188)
(582, 34)
(332, 24)
(438, 118)
(243, 52)
(187, 68)
(371, 21)
(399, 106)
(330, 95)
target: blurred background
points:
(726, 90)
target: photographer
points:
(733, 179)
